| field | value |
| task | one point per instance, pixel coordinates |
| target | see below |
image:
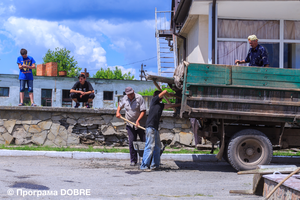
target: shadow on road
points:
(205, 166)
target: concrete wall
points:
(203, 38)
(69, 126)
(197, 41)
(58, 84)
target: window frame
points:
(8, 91)
(109, 99)
(281, 39)
(62, 99)
(46, 98)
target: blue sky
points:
(99, 33)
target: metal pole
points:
(213, 30)
(157, 45)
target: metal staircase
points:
(164, 43)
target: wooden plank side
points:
(228, 75)
(245, 107)
(203, 67)
(267, 77)
(265, 83)
(265, 70)
(244, 93)
(208, 73)
(205, 80)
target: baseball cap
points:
(128, 90)
(252, 37)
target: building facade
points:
(55, 91)
(215, 32)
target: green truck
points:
(247, 110)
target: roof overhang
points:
(239, 9)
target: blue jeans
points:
(151, 157)
(29, 85)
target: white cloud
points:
(130, 38)
(7, 9)
(33, 33)
(12, 8)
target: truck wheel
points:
(225, 154)
(249, 148)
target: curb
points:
(126, 156)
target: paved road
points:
(115, 179)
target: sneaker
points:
(33, 104)
(87, 105)
(21, 104)
(77, 105)
(132, 163)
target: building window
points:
(281, 38)
(4, 91)
(46, 97)
(292, 44)
(108, 95)
(66, 99)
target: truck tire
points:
(249, 148)
(225, 154)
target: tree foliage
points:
(150, 92)
(113, 74)
(64, 61)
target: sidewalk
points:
(123, 156)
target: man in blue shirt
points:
(26, 64)
(257, 55)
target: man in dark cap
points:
(151, 156)
(135, 110)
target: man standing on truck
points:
(257, 55)
(151, 157)
(135, 110)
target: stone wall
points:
(69, 126)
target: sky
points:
(99, 33)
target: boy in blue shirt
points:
(26, 64)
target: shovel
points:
(126, 120)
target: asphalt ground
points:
(39, 177)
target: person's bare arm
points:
(240, 62)
(118, 115)
(89, 92)
(20, 66)
(75, 91)
(31, 67)
(167, 106)
(140, 117)
(161, 95)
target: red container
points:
(51, 69)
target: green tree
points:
(64, 61)
(150, 92)
(113, 74)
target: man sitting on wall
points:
(82, 91)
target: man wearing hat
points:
(257, 55)
(135, 110)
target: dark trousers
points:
(85, 98)
(132, 136)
